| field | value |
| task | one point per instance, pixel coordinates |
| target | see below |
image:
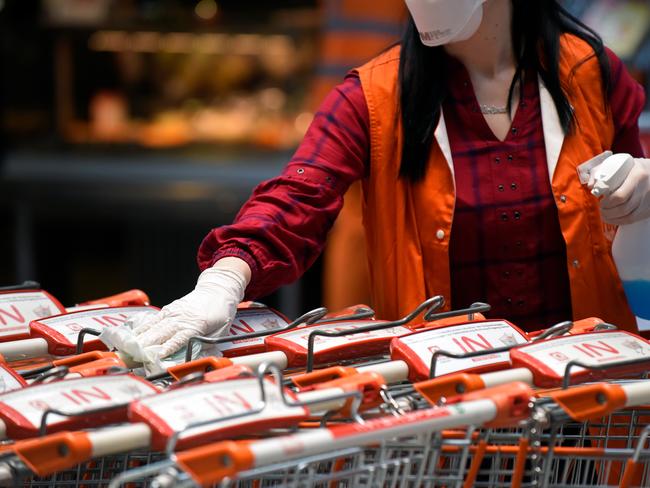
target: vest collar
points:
(553, 133)
(443, 141)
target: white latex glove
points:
(630, 202)
(208, 309)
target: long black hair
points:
(536, 29)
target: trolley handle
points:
(60, 372)
(467, 355)
(600, 399)
(44, 456)
(566, 380)
(450, 385)
(308, 318)
(261, 373)
(42, 430)
(47, 455)
(429, 305)
(553, 331)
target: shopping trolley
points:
(415, 449)
(452, 450)
(510, 452)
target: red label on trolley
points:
(19, 308)
(22, 410)
(294, 343)
(235, 407)
(10, 380)
(247, 321)
(62, 331)
(417, 349)
(548, 359)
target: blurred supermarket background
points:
(129, 128)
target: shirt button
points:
(514, 130)
(517, 215)
(300, 171)
(504, 216)
(563, 198)
(497, 160)
(440, 234)
(509, 301)
(576, 263)
(510, 158)
(513, 186)
(500, 187)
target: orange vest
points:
(408, 225)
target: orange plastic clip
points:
(84, 358)
(460, 319)
(201, 365)
(447, 386)
(345, 311)
(307, 381)
(585, 325)
(228, 373)
(579, 327)
(125, 299)
(212, 463)
(590, 401)
(369, 384)
(55, 452)
(99, 367)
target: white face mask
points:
(442, 21)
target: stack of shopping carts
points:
(436, 399)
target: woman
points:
(467, 138)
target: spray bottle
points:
(631, 249)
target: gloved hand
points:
(629, 202)
(208, 309)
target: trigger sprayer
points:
(632, 241)
(611, 173)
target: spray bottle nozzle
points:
(610, 174)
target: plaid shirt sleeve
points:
(626, 101)
(281, 229)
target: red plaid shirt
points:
(506, 245)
